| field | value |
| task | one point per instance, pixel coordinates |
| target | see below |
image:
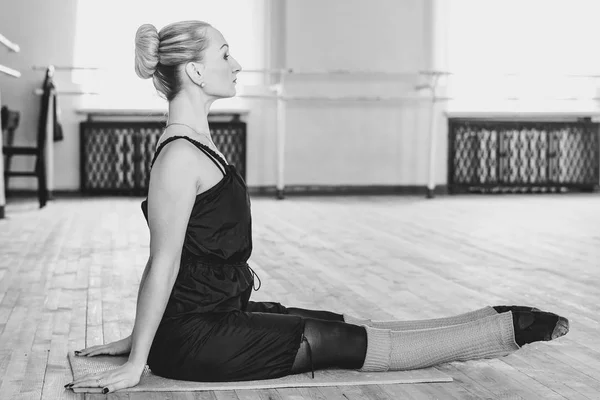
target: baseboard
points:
(22, 193)
(355, 190)
(291, 190)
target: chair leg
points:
(6, 190)
(7, 162)
(42, 183)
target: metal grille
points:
(116, 156)
(522, 156)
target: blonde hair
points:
(158, 55)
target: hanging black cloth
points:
(50, 91)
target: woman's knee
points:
(328, 344)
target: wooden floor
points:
(69, 276)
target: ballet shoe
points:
(503, 309)
(536, 326)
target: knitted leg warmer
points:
(487, 337)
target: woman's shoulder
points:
(176, 155)
(184, 150)
(176, 168)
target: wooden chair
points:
(10, 123)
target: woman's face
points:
(220, 69)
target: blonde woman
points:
(195, 320)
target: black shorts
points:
(258, 342)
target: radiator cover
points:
(522, 156)
(115, 156)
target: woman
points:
(194, 319)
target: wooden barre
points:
(293, 71)
(39, 92)
(325, 98)
(10, 71)
(64, 68)
(11, 46)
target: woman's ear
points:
(195, 71)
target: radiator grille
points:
(116, 156)
(522, 156)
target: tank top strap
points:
(221, 164)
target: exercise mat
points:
(149, 382)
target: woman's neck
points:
(183, 110)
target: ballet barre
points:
(65, 68)
(298, 71)
(336, 98)
(10, 45)
(39, 92)
(537, 74)
(9, 71)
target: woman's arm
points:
(118, 347)
(143, 280)
(171, 196)
(170, 200)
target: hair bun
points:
(146, 50)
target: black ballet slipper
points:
(503, 309)
(536, 326)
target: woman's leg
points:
(395, 325)
(336, 344)
(391, 324)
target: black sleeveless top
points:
(213, 271)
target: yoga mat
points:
(334, 377)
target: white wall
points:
(44, 30)
(327, 143)
(357, 143)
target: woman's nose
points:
(236, 66)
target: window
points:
(105, 34)
(538, 40)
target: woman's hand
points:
(126, 376)
(117, 348)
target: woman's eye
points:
(226, 56)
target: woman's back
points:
(217, 243)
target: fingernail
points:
(105, 390)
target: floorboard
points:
(69, 275)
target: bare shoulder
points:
(177, 160)
(171, 195)
(194, 160)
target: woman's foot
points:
(534, 326)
